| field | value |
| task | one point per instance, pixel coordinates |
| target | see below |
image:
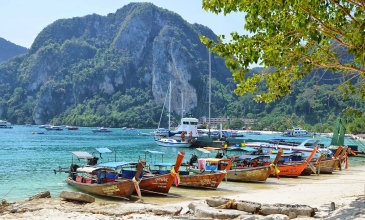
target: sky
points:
(22, 20)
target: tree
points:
(293, 38)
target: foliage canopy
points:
(296, 38)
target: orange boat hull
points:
(158, 184)
(290, 169)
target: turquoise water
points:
(28, 159)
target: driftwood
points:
(44, 194)
(261, 208)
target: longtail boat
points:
(320, 166)
(111, 187)
(239, 172)
(98, 180)
(294, 169)
(185, 178)
(148, 182)
(205, 180)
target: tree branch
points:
(319, 21)
(361, 5)
(345, 11)
(334, 37)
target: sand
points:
(346, 189)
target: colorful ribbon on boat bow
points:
(274, 167)
(176, 175)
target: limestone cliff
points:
(73, 61)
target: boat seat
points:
(211, 167)
(79, 179)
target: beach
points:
(343, 191)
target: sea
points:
(29, 155)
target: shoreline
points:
(343, 188)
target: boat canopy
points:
(290, 138)
(88, 169)
(116, 165)
(82, 155)
(211, 159)
(203, 150)
(212, 148)
(284, 151)
(103, 150)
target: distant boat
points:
(143, 134)
(5, 124)
(72, 128)
(297, 132)
(253, 133)
(170, 142)
(160, 132)
(54, 128)
(101, 129)
(44, 126)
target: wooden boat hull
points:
(326, 167)
(251, 174)
(290, 169)
(119, 188)
(207, 181)
(337, 164)
(155, 185)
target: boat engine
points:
(93, 161)
(193, 159)
(73, 169)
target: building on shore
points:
(215, 122)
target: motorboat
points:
(160, 132)
(101, 129)
(54, 128)
(72, 128)
(171, 142)
(44, 126)
(298, 132)
(5, 124)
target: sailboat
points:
(170, 141)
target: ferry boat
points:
(298, 132)
(5, 124)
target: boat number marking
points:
(207, 182)
(110, 189)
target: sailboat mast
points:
(169, 104)
(210, 90)
(182, 105)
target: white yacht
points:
(5, 124)
(298, 132)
